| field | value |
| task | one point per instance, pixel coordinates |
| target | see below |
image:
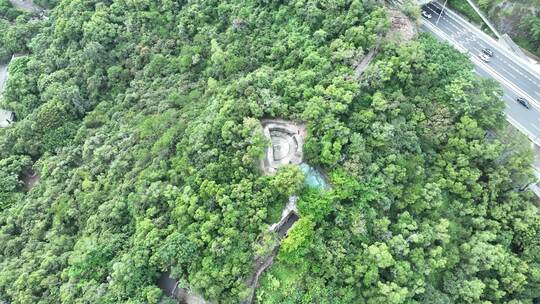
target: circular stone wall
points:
(282, 146)
(287, 140)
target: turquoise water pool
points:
(312, 177)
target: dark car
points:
(487, 52)
(524, 102)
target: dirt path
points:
(402, 30)
(361, 67)
(261, 264)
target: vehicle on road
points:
(488, 52)
(524, 102)
(426, 14)
(485, 58)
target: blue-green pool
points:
(312, 177)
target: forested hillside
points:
(141, 120)
(16, 30)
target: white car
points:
(426, 14)
(485, 58)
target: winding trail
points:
(363, 64)
(261, 263)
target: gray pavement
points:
(527, 120)
(473, 40)
(516, 78)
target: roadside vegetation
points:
(142, 120)
(519, 19)
(466, 10)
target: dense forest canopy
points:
(16, 30)
(141, 120)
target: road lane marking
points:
(487, 68)
(512, 64)
(455, 27)
(506, 82)
(433, 11)
(517, 71)
(505, 52)
(485, 37)
(509, 73)
(520, 127)
(442, 34)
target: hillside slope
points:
(142, 121)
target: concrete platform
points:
(6, 118)
(287, 140)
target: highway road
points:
(524, 119)
(516, 77)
